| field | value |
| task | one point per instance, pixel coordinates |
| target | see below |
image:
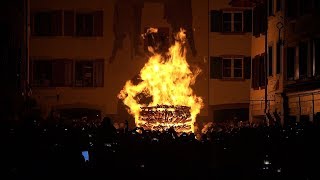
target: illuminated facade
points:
(230, 61)
(82, 52)
(292, 63)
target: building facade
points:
(230, 61)
(83, 52)
(292, 61)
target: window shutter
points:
(255, 72)
(69, 23)
(256, 23)
(98, 23)
(247, 14)
(247, 67)
(262, 20)
(215, 67)
(262, 71)
(99, 73)
(216, 21)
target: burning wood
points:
(162, 117)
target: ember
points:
(162, 117)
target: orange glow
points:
(165, 80)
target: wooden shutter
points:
(98, 73)
(256, 23)
(262, 71)
(216, 21)
(69, 23)
(247, 67)
(247, 14)
(263, 19)
(255, 72)
(215, 67)
(98, 23)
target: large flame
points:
(167, 80)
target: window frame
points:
(232, 68)
(232, 21)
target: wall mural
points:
(127, 22)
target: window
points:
(89, 73)
(51, 73)
(232, 22)
(316, 51)
(232, 68)
(46, 23)
(238, 68)
(291, 55)
(270, 7)
(303, 60)
(270, 57)
(292, 8)
(89, 24)
(84, 24)
(238, 21)
(279, 5)
(305, 6)
(278, 58)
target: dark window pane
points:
(279, 5)
(84, 73)
(317, 56)
(226, 72)
(84, 26)
(237, 17)
(237, 22)
(227, 22)
(237, 63)
(226, 67)
(42, 73)
(238, 73)
(43, 24)
(270, 7)
(303, 60)
(278, 58)
(270, 65)
(291, 53)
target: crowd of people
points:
(56, 150)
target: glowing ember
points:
(167, 81)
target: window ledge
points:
(233, 79)
(234, 33)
